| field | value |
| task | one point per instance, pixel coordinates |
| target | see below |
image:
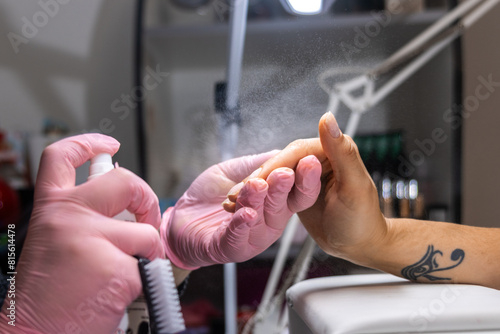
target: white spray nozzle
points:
(100, 164)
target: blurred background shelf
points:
(294, 24)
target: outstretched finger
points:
(289, 157)
(239, 168)
(292, 154)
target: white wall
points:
(71, 69)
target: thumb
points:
(340, 150)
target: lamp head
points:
(306, 7)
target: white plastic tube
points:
(426, 36)
(479, 12)
(237, 24)
(425, 57)
(230, 298)
(413, 67)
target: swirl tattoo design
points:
(428, 265)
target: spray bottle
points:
(99, 165)
(136, 315)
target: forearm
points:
(435, 252)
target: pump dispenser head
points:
(100, 164)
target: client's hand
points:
(346, 220)
(77, 273)
(199, 232)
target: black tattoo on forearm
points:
(428, 265)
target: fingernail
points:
(255, 173)
(249, 213)
(234, 191)
(311, 178)
(228, 206)
(332, 125)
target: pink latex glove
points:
(198, 232)
(76, 273)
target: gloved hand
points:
(76, 273)
(198, 232)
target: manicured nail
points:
(332, 125)
(229, 206)
(234, 191)
(311, 175)
(255, 173)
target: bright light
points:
(306, 7)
